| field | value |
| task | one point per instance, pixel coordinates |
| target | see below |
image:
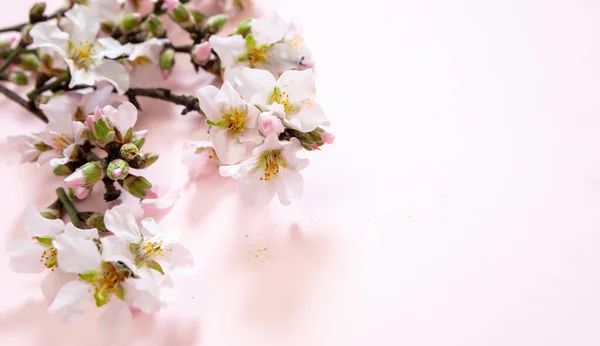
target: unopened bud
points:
(36, 13)
(81, 192)
(139, 138)
(93, 220)
(215, 23)
(270, 124)
(167, 61)
(129, 22)
(143, 160)
(25, 36)
(53, 211)
(62, 171)
(201, 53)
(155, 26)
(327, 137)
(5, 45)
(88, 174)
(41, 146)
(136, 186)
(30, 62)
(128, 151)
(108, 26)
(117, 169)
(19, 78)
(180, 14)
(244, 27)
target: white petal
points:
(151, 226)
(166, 198)
(47, 34)
(228, 48)
(111, 48)
(115, 250)
(80, 76)
(76, 255)
(290, 186)
(144, 292)
(250, 82)
(308, 119)
(299, 85)
(206, 96)
(124, 118)
(24, 256)
(72, 231)
(240, 171)
(85, 24)
(122, 223)
(227, 96)
(115, 322)
(114, 73)
(38, 226)
(254, 191)
(98, 98)
(54, 281)
(228, 148)
(178, 256)
(270, 28)
(47, 156)
(78, 129)
(60, 110)
(71, 301)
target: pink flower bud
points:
(142, 133)
(327, 137)
(81, 192)
(145, 7)
(269, 124)
(76, 179)
(314, 146)
(202, 52)
(166, 74)
(171, 4)
(117, 173)
(151, 193)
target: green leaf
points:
(89, 276)
(45, 240)
(250, 42)
(120, 293)
(154, 265)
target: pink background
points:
(458, 206)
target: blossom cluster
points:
(83, 63)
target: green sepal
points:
(133, 248)
(62, 171)
(250, 42)
(198, 16)
(45, 240)
(138, 262)
(120, 293)
(89, 276)
(128, 136)
(100, 300)
(101, 129)
(212, 123)
(154, 265)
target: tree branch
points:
(191, 103)
(30, 106)
(19, 27)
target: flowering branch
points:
(42, 18)
(30, 106)
(68, 205)
(191, 103)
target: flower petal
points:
(270, 28)
(83, 24)
(38, 226)
(111, 48)
(206, 96)
(54, 281)
(76, 255)
(114, 73)
(290, 186)
(98, 98)
(299, 85)
(144, 292)
(122, 224)
(80, 76)
(228, 97)
(228, 148)
(24, 256)
(116, 250)
(178, 256)
(60, 110)
(115, 322)
(228, 48)
(47, 34)
(72, 231)
(200, 159)
(71, 301)
(254, 191)
(250, 82)
(124, 118)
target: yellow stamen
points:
(270, 162)
(82, 55)
(149, 249)
(61, 142)
(235, 120)
(48, 258)
(258, 55)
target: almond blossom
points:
(88, 57)
(273, 170)
(200, 159)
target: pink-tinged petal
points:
(47, 34)
(51, 138)
(228, 148)
(47, 156)
(80, 76)
(229, 98)
(200, 159)
(54, 281)
(144, 293)
(114, 73)
(21, 143)
(131, 203)
(77, 131)
(178, 256)
(171, 4)
(116, 250)
(24, 256)
(166, 198)
(145, 7)
(290, 186)
(206, 96)
(98, 98)
(202, 51)
(76, 255)
(71, 301)
(327, 137)
(142, 133)
(83, 24)
(76, 179)
(74, 232)
(254, 191)
(121, 222)
(60, 110)
(115, 322)
(82, 192)
(125, 117)
(299, 85)
(270, 124)
(251, 82)
(38, 226)
(270, 28)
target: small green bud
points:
(215, 23)
(181, 14)
(198, 16)
(53, 211)
(93, 220)
(128, 22)
(91, 172)
(128, 151)
(19, 78)
(156, 26)
(62, 171)
(143, 160)
(117, 169)
(244, 27)
(25, 36)
(30, 62)
(167, 61)
(136, 186)
(138, 141)
(36, 13)
(5, 45)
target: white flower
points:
(82, 51)
(146, 248)
(26, 146)
(233, 120)
(200, 159)
(39, 253)
(122, 118)
(273, 169)
(291, 97)
(147, 52)
(273, 44)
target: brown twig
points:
(19, 27)
(30, 106)
(191, 103)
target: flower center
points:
(296, 42)
(106, 284)
(258, 55)
(48, 258)
(235, 120)
(149, 250)
(82, 55)
(61, 142)
(270, 161)
(283, 98)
